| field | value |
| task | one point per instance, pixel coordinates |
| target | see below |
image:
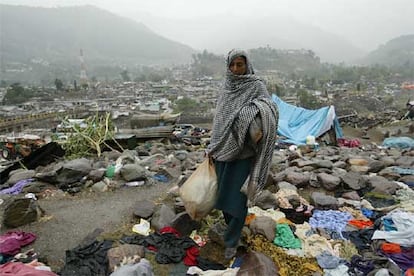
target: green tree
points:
(125, 75)
(58, 84)
(186, 105)
(17, 94)
(307, 100)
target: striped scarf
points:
(243, 98)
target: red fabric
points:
(20, 269)
(12, 241)
(350, 143)
(388, 247)
(409, 272)
(169, 229)
(190, 258)
(361, 223)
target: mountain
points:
(56, 35)
(219, 34)
(398, 52)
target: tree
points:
(58, 84)
(16, 94)
(125, 75)
(307, 100)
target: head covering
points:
(243, 98)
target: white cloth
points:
(404, 222)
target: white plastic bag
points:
(199, 192)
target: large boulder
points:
(353, 180)
(132, 172)
(329, 182)
(16, 211)
(323, 201)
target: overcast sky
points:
(365, 23)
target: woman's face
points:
(238, 66)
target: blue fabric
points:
(399, 142)
(295, 123)
(388, 224)
(333, 220)
(367, 212)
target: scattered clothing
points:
(12, 241)
(17, 188)
(21, 269)
(285, 238)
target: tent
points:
(296, 123)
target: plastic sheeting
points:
(295, 123)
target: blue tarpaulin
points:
(296, 123)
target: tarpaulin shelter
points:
(296, 123)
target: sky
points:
(365, 23)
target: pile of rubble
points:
(324, 211)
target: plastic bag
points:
(199, 192)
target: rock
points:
(179, 205)
(329, 182)
(37, 187)
(302, 163)
(405, 162)
(376, 166)
(407, 179)
(353, 181)
(286, 185)
(340, 164)
(73, 171)
(181, 155)
(144, 209)
(96, 175)
(388, 161)
(389, 174)
(338, 171)
(17, 175)
(324, 164)
(266, 200)
(351, 195)
(117, 254)
(100, 187)
(323, 201)
(297, 179)
(361, 169)
(357, 162)
(256, 263)
(49, 173)
(264, 226)
(184, 224)
(153, 160)
(16, 211)
(131, 172)
(382, 185)
(170, 173)
(162, 217)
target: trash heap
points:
(324, 211)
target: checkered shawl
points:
(243, 98)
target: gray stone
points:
(73, 171)
(152, 160)
(131, 172)
(388, 161)
(324, 164)
(323, 201)
(264, 226)
(351, 195)
(96, 175)
(184, 224)
(302, 163)
(361, 169)
(389, 174)
(181, 154)
(17, 175)
(286, 185)
(111, 155)
(382, 185)
(376, 166)
(162, 217)
(353, 180)
(338, 171)
(216, 233)
(329, 182)
(266, 200)
(340, 164)
(407, 179)
(100, 186)
(405, 161)
(297, 179)
(144, 209)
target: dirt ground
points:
(69, 219)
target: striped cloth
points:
(244, 97)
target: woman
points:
(242, 143)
